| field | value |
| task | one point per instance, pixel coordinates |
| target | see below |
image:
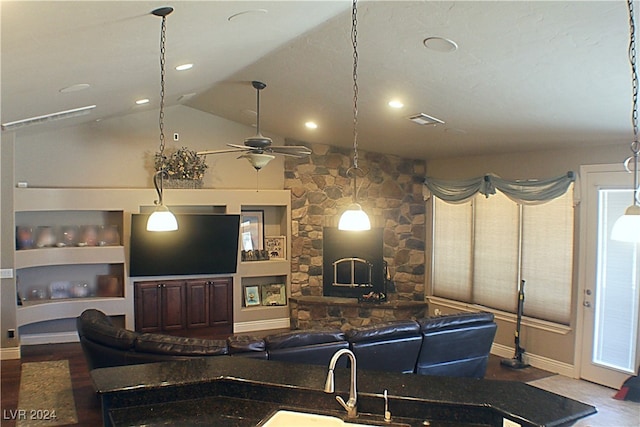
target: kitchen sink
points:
(285, 418)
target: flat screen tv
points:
(203, 244)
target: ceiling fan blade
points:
(240, 147)
(299, 150)
(230, 150)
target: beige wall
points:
(119, 152)
(7, 287)
(555, 345)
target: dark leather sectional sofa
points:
(453, 345)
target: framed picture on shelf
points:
(251, 296)
(275, 246)
(274, 294)
(252, 230)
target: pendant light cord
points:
(635, 145)
(159, 175)
(354, 42)
(163, 41)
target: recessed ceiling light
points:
(75, 88)
(311, 125)
(142, 101)
(440, 44)
(423, 119)
(184, 67)
(395, 104)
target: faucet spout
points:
(350, 405)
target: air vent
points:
(76, 112)
(423, 119)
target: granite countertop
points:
(173, 390)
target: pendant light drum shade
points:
(627, 227)
(354, 219)
(162, 220)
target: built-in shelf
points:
(77, 255)
(45, 310)
(264, 268)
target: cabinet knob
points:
(159, 285)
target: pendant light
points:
(627, 227)
(161, 219)
(354, 218)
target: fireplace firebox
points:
(353, 264)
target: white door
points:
(609, 276)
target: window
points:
(484, 247)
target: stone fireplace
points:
(391, 193)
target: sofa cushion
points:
(303, 338)
(96, 326)
(179, 346)
(384, 331)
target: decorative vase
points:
(182, 183)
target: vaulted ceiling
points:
(526, 75)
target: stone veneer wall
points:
(390, 193)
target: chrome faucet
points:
(351, 405)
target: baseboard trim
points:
(535, 360)
(10, 353)
(261, 325)
(49, 338)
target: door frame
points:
(583, 256)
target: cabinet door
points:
(148, 303)
(173, 306)
(197, 303)
(221, 302)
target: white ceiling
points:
(527, 74)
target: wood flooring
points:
(88, 405)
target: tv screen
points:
(203, 244)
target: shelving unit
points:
(36, 268)
(55, 284)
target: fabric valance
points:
(523, 192)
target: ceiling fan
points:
(258, 149)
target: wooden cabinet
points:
(221, 304)
(160, 306)
(173, 305)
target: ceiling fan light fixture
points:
(257, 160)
